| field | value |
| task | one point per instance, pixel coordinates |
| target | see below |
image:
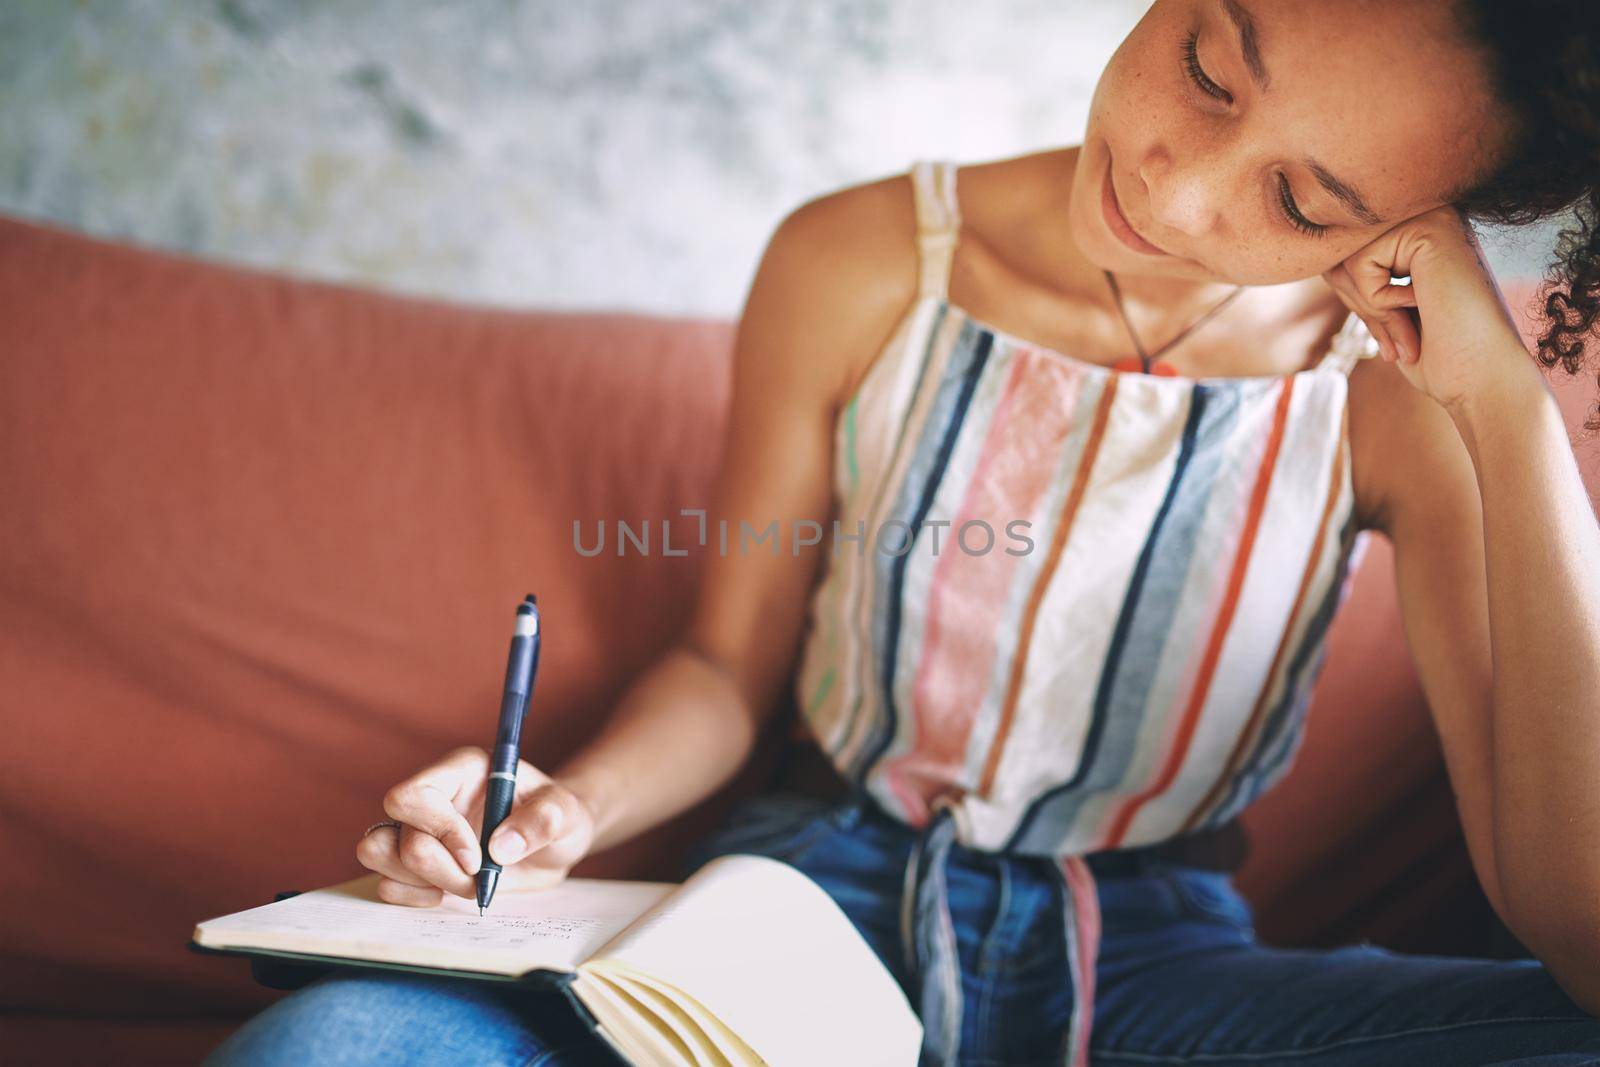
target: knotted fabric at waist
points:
(927, 931)
(807, 769)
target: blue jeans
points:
(1181, 978)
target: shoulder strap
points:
(933, 184)
(1353, 342)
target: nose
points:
(1183, 197)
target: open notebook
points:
(748, 962)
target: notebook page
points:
(729, 1048)
(648, 1041)
(698, 1032)
(557, 928)
(770, 954)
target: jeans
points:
(1180, 978)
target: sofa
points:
(260, 543)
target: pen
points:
(502, 788)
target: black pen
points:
(502, 787)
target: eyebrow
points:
(1343, 192)
(1250, 47)
(1249, 42)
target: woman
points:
(1039, 748)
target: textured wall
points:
(607, 153)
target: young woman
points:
(1040, 736)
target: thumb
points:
(547, 815)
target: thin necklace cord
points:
(1146, 358)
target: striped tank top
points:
(1066, 608)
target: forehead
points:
(1383, 92)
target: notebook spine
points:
(568, 987)
(564, 982)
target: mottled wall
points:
(602, 153)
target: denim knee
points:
(359, 1017)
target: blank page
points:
(767, 951)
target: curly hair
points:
(1544, 63)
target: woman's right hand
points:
(440, 810)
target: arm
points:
(824, 297)
(832, 283)
(1431, 514)
(1543, 568)
(1497, 554)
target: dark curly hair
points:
(1544, 63)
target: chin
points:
(1090, 245)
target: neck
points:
(1163, 295)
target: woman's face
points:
(1229, 126)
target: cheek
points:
(1274, 261)
(1145, 69)
(1130, 88)
(1131, 82)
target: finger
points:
(1380, 330)
(1374, 268)
(426, 801)
(424, 855)
(380, 851)
(1389, 303)
(412, 896)
(1402, 327)
(1393, 296)
(547, 815)
(1344, 283)
(1393, 329)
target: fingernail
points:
(469, 860)
(1403, 352)
(507, 846)
(554, 814)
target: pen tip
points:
(480, 911)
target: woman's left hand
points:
(1449, 331)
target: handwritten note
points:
(556, 928)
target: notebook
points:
(748, 962)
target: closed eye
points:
(1292, 213)
(1191, 64)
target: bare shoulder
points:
(1408, 458)
(838, 274)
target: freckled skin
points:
(1381, 92)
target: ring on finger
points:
(381, 822)
(382, 854)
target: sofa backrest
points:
(263, 540)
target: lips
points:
(1118, 223)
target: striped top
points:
(1086, 607)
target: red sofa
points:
(259, 545)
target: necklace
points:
(1161, 366)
